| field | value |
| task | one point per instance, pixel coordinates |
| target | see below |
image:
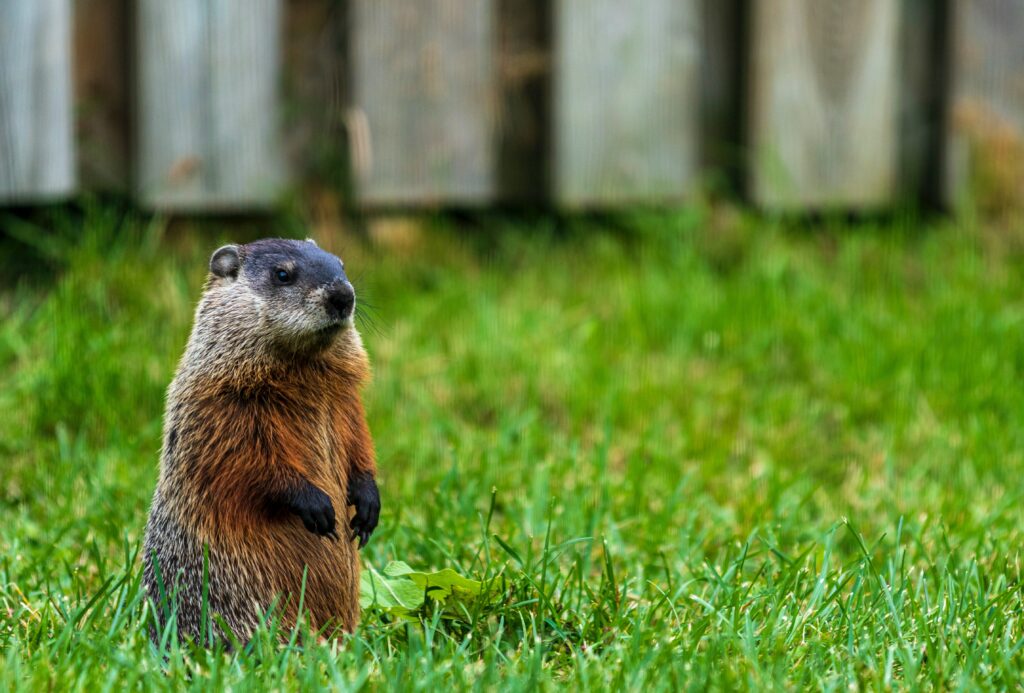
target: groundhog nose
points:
(341, 299)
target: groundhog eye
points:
(283, 276)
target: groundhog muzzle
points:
(267, 472)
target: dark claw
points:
(314, 508)
(363, 494)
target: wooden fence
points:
(228, 104)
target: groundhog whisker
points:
(370, 326)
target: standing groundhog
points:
(265, 448)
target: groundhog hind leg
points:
(179, 576)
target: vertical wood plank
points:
(626, 107)
(208, 103)
(986, 144)
(36, 142)
(424, 94)
(823, 112)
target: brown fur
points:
(246, 420)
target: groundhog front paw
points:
(363, 494)
(314, 508)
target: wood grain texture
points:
(626, 108)
(823, 115)
(424, 97)
(36, 140)
(208, 99)
(986, 138)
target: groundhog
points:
(265, 449)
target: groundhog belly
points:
(267, 564)
(324, 571)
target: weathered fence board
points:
(845, 103)
(424, 95)
(36, 143)
(987, 125)
(823, 110)
(208, 103)
(626, 111)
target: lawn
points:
(688, 450)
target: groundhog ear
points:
(225, 261)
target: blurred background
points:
(233, 105)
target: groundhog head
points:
(301, 292)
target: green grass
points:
(698, 449)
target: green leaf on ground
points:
(400, 590)
(394, 595)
